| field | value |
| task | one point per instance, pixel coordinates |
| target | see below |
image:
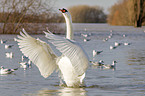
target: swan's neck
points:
(69, 31)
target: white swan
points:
(73, 62)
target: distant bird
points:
(117, 44)
(124, 35)
(8, 46)
(85, 35)
(112, 47)
(2, 42)
(109, 36)
(73, 62)
(6, 71)
(106, 39)
(85, 39)
(9, 54)
(24, 58)
(100, 63)
(15, 39)
(111, 66)
(25, 65)
(126, 43)
(96, 52)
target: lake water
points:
(128, 78)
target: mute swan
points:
(6, 71)
(73, 62)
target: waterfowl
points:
(73, 62)
(8, 46)
(111, 66)
(6, 71)
(9, 54)
(100, 63)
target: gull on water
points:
(100, 63)
(6, 71)
(96, 52)
(111, 66)
(117, 44)
(9, 54)
(2, 42)
(112, 47)
(8, 46)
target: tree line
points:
(18, 14)
(127, 12)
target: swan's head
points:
(63, 10)
(65, 13)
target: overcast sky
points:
(67, 3)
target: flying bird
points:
(73, 62)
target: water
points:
(128, 78)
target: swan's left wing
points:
(72, 50)
(38, 52)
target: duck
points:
(6, 71)
(71, 64)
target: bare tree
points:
(139, 12)
(14, 13)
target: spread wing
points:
(72, 50)
(38, 52)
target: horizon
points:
(102, 3)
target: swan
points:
(73, 62)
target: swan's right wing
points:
(72, 50)
(38, 52)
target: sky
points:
(68, 3)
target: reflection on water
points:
(63, 92)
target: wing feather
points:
(38, 52)
(72, 50)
